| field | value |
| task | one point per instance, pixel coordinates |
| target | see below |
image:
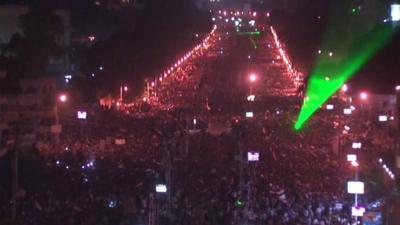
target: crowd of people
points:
(91, 180)
(106, 168)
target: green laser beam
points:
(353, 40)
(330, 73)
(253, 42)
(249, 33)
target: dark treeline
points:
(132, 43)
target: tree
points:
(41, 30)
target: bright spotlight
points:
(253, 77)
(363, 96)
(62, 98)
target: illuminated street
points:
(199, 113)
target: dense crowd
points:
(106, 168)
(90, 180)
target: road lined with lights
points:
(278, 77)
(158, 91)
(267, 60)
(211, 141)
(242, 67)
(265, 69)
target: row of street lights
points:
(170, 70)
(295, 75)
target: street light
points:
(363, 96)
(122, 88)
(56, 129)
(252, 77)
(62, 98)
